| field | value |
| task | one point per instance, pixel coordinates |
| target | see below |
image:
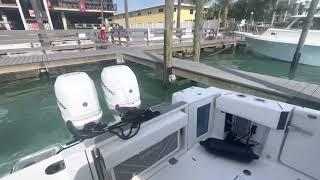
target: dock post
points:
(306, 26)
(197, 30)
(126, 13)
(168, 28)
(119, 58)
(64, 21)
(42, 35)
(148, 36)
(37, 14)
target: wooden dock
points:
(149, 56)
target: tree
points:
(213, 12)
(263, 9)
(197, 30)
(225, 4)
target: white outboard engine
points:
(120, 88)
(77, 99)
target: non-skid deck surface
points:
(184, 68)
(197, 164)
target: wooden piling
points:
(43, 38)
(167, 68)
(179, 14)
(307, 24)
(126, 13)
(197, 30)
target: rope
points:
(212, 54)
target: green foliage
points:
(242, 9)
(212, 12)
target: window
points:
(191, 11)
(160, 10)
(139, 13)
(175, 9)
(149, 12)
(203, 115)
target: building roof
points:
(158, 6)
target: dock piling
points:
(197, 30)
(167, 65)
(307, 24)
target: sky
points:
(137, 4)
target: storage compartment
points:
(266, 112)
(301, 146)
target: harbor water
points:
(30, 119)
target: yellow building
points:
(155, 15)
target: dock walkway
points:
(147, 55)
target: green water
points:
(30, 119)
(243, 59)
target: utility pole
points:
(307, 24)
(126, 13)
(168, 28)
(197, 30)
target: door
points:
(302, 146)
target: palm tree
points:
(225, 5)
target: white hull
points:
(284, 51)
(282, 43)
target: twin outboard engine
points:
(79, 104)
(77, 99)
(121, 90)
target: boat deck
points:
(199, 164)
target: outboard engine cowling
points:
(120, 87)
(77, 99)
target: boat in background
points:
(281, 43)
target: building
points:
(56, 14)
(154, 16)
